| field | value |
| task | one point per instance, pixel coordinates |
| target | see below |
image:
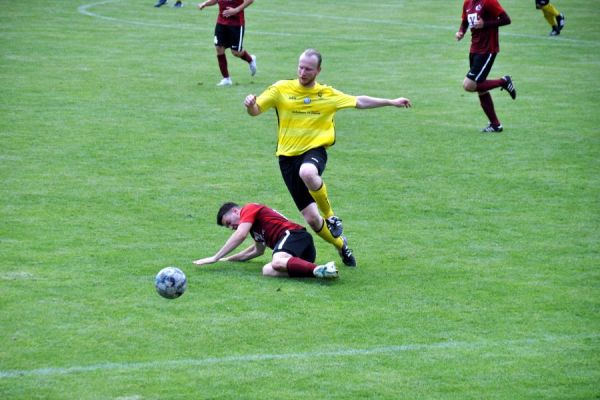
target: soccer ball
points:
(170, 282)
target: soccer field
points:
(478, 254)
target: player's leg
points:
(550, 13)
(295, 253)
(221, 43)
(268, 270)
(487, 104)
(289, 167)
(554, 18)
(237, 49)
(311, 169)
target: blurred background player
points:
(484, 17)
(160, 3)
(294, 252)
(552, 15)
(305, 116)
(229, 33)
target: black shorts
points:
(541, 3)
(290, 171)
(229, 36)
(299, 244)
(481, 65)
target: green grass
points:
(478, 255)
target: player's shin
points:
(322, 200)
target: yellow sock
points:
(550, 13)
(320, 196)
(326, 235)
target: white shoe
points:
(252, 65)
(327, 271)
(225, 82)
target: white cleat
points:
(225, 82)
(327, 271)
(252, 65)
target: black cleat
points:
(491, 128)
(160, 3)
(334, 224)
(346, 254)
(560, 22)
(178, 4)
(509, 87)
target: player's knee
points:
(310, 176)
(469, 85)
(308, 172)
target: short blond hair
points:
(313, 53)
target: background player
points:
(552, 15)
(294, 252)
(484, 17)
(229, 33)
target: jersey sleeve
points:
(268, 98)
(343, 100)
(248, 213)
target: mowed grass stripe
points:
(448, 345)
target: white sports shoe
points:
(327, 271)
(225, 82)
(252, 65)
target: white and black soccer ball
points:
(170, 282)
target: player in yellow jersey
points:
(552, 15)
(305, 114)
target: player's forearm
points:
(207, 3)
(463, 26)
(247, 254)
(371, 102)
(232, 243)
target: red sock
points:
(299, 268)
(485, 99)
(222, 58)
(246, 57)
(489, 84)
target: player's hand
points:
(250, 100)
(201, 6)
(229, 11)
(402, 102)
(459, 35)
(205, 261)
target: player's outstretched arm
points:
(256, 250)
(232, 243)
(363, 102)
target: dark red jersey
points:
(268, 226)
(235, 20)
(483, 40)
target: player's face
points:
(308, 69)
(231, 220)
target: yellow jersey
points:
(304, 115)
